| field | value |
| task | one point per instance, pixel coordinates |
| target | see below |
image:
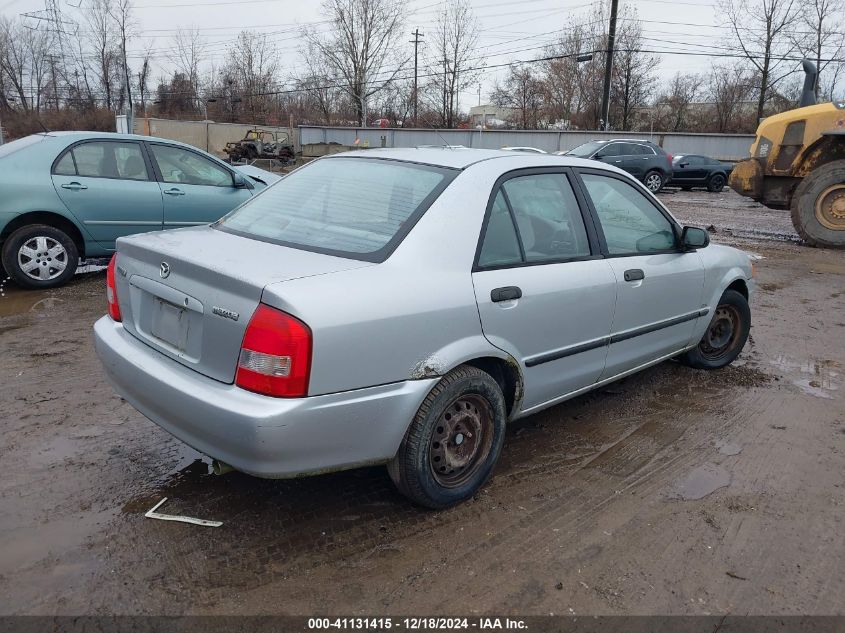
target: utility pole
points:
(444, 92)
(416, 42)
(608, 65)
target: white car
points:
(527, 150)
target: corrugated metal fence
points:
(721, 146)
(207, 135)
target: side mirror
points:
(239, 181)
(693, 237)
(598, 156)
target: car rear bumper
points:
(259, 435)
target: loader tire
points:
(818, 206)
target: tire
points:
(41, 249)
(465, 400)
(732, 312)
(818, 206)
(654, 181)
(716, 183)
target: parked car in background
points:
(644, 160)
(529, 150)
(300, 335)
(70, 195)
(694, 170)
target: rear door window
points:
(66, 166)
(358, 207)
(534, 218)
(611, 149)
(107, 159)
(548, 217)
(500, 246)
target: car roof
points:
(621, 140)
(461, 158)
(81, 135)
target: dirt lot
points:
(672, 492)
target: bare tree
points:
(454, 42)
(523, 92)
(103, 42)
(320, 86)
(250, 68)
(729, 87)
(121, 13)
(680, 94)
(633, 78)
(14, 61)
(760, 30)
(144, 76)
(561, 75)
(823, 39)
(187, 54)
(362, 46)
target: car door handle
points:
(74, 186)
(508, 293)
(635, 274)
(174, 192)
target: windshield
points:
(586, 150)
(351, 207)
(10, 148)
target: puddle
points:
(701, 482)
(728, 448)
(14, 302)
(815, 377)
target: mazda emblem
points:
(164, 270)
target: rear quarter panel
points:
(27, 186)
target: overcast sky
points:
(509, 30)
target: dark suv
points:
(643, 159)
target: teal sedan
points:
(65, 196)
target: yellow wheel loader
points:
(798, 163)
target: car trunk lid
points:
(190, 293)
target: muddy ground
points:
(672, 492)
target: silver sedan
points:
(400, 307)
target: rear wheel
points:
(40, 256)
(716, 183)
(818, 206)
(454, 440)
(725, 336)
(654, 181)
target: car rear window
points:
(585, 150)
(352, 207)
(11, 147)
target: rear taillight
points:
(275, 357)
(111, 291)
(669, 156)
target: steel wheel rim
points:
(653, 182)
(830, 208)
(722, 334)
(42, 258)
(461, 441)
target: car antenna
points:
(445, 143)
(43, 127)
